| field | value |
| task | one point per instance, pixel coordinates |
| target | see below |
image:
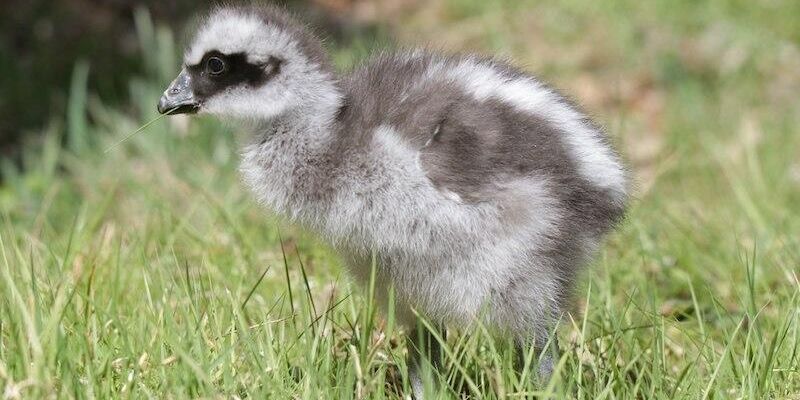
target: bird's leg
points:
(425, 357)
(546, 354)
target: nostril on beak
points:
(178, 98)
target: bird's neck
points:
(289, 164)
(312, 113)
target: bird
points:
(472, 189)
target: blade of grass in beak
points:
(141, 128)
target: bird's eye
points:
(215, 66)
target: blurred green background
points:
(145, 269)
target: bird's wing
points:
(478, 147)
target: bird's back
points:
(480, 124)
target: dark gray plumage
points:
(481, 191)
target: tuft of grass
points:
(148, 271)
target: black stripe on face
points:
(237, 72)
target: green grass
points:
(148, 271)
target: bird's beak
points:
(179, 97)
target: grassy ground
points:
(147, 270)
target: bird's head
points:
(250, 63)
